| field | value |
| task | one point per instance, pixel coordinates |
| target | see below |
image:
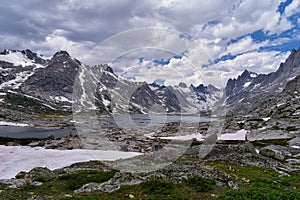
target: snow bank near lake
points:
(197, 136)
(239, 135)
(14, 159)
(3, 123)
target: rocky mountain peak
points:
(108, 69)
(239, 83)
(28, 52)
(200, 88)
(245, 74)
(293, 60)
(61, 54)
(203, 89)
(33, 56)
(182, 85)
(294, 53)
(5, 52)
(63, 57)
(212, 88)
(155, 85)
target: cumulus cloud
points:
(259, 62)
(292, 8)
(57, 41)
(214, 29)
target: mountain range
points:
(32, 83)
(267, 94)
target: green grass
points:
(79, 198)
(77, 180)
(4, 116)
(151, 189)
(201, 184)
(27, 187)
(157, 186)
(41, 179)
(293, 181)
(262, 184)
(291, 128)
(264, 190)
(76, 198)
(244, 172)
(57, 187)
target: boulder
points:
(233, 185)
(279, 152)
(257, 135)
(12, 183)
(12, 144)
(40, 174)
(295, 142)
(20, 175)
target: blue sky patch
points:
(186, 36)
(162, 61)
(159, 82)
(141, 60)
(167, 61)
(282, 6)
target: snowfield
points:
(14, 159)
(3, 123)
(17, 58)
(239, 135)
(184, 137)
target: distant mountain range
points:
(32, 83)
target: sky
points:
(167, 41)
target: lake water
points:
(30, 132)
(121, 121)
(140, 120)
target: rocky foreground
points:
(228, 167)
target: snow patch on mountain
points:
(17, 81)
(17, 59)
(20, 58)
(62, 98)
(247, 84)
